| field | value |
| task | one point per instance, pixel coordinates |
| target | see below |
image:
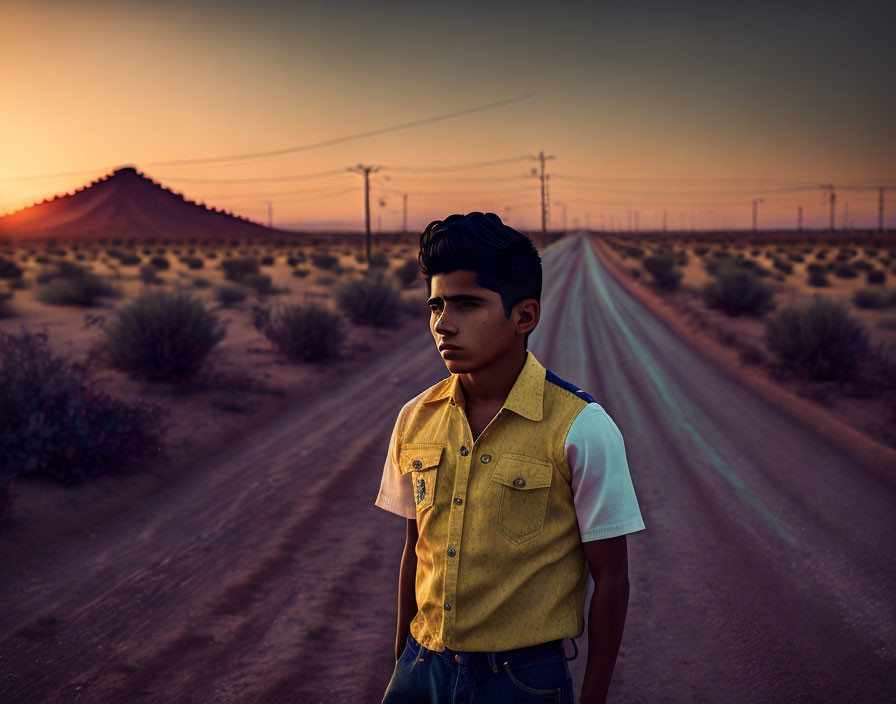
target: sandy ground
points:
(244, 383)
(265, 573)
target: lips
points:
(448, 347)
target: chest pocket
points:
(524, 485)
(421, 459)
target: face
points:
(470, 317)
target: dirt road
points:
(766, 572)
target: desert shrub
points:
(261, 283)
(796, 257)
(821, 341)
(161, 336)
(300, 272)
(845, 271)
(736, 291)
(68, 283)
(325, 261)
(292, 261)
(160, 262)
(721, 260)
(873, 298)
(633, 251)
(816, 268)
(237, 267)
(129, 259)
(149, 274)
(700, 251)
(876, 276)
(783, 265)
(9, 269)
(818, 279)
(379, 260)
(229, 293)
(663, 270)
(361, 259)
(200, 282)
(407, 272)
(193, 262)
(863, 265)
(308, 332)
(267, 260)
(53, 423)
(371, 300)
(325, 280)
(5, 309)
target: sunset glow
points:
(693, 112)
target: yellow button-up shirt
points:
(500, 562)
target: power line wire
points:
(474, 165)
(340, 140)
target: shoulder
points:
(592, 425)
(412, 405)
(555, 381)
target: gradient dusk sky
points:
(692, 108)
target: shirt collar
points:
(526, 397)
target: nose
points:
(443, 324)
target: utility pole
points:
(832, 198)
(799, 218)
(366, 170)
(544, 219)
(637, 229)
(756, 201)
(664, 221)
(846, 217)
(270, 214)
(562, 205)
(880, 209)
(404, 217)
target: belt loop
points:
(576, 649)
(491, 661)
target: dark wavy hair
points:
(505, 260)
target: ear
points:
(528, 311)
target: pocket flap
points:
(521, 472)
(417, 456)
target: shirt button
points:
(417, 464)
(447, 606)
(456, 657)
(464, 451)
(520, 482)
(452, 552)
(486, 459)
(458, 500)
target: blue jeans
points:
(425, 676)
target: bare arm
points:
(608, 562)
(407, 597)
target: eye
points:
(468, 303)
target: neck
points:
(491, 384)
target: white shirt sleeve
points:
(395, 494)
(603, 494)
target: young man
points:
(515, 485)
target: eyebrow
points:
(456, 298)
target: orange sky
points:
(696, 113)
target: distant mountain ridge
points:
(126, 203)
